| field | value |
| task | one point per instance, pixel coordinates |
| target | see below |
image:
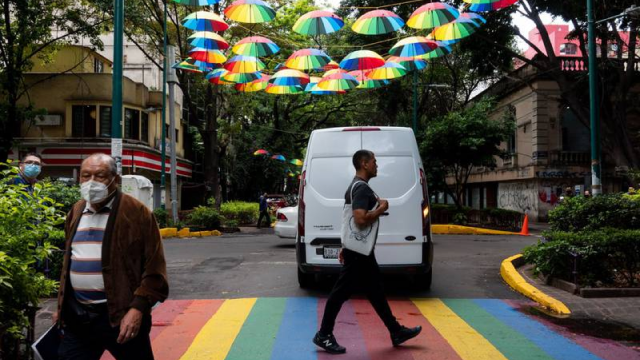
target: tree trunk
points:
(210, 139)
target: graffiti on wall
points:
(522, 197)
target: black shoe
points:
(404, 334)
(328, 343)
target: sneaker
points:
(404, 334)
(328, 343)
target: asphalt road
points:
(260, 264)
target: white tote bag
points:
(360, 240)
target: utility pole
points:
(594, 109)
(172, 80)
(163, 171)
(116, 95)
(415, 102)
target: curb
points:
(466, 230)
(167, 233)
(512, 277)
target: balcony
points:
(578, 64)
(569, 158)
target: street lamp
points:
(415, 98)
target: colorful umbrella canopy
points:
(296, 162)
(388, 71)
(197, 2)
(185, 66)
(204, 21)
(255, 85)
(279, 158)
(331, 65)
(312, 87)
(250, 11)
(477, 18)
(318, 22)
(313, 81)
(455, 30)
(413, 46)
(362, 60)
(289, 77)
(244, 64)
(215, 77)
(489, 5)
(338, 81)
(308, 59)
(442, 50)
(208, 40)
(241, 78)
(432, 15)
(283, 90)
(365, 82)
(409, 63)
(210, 56)
(377, 22)
(202, 65)
(256, 46)
(261, 152)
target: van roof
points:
(354, 128)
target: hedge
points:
(580, 213)
(491, 218)
(240, 211)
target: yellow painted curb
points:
(216, 233)
(516, 281)
(168, 232)
(184, 232)
(466, 230)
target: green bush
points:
(162, 217)
(605, 256)
(26, 221)
(490, 218)
(460, 219)
(240, 211)
(205, 217)
(64, 195)
(231, 223)
(580, 213)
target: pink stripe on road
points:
(347, 332)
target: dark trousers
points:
(359, 272)
(89, 341)
(265, 214)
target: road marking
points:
(299, 325)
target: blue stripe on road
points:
(557, 346)
(297, 329)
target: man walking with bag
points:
(360, 269)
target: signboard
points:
(48, 120)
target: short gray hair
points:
(105, 158)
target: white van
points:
(404, 243)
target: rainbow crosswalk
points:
(282, 328)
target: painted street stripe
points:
(511, 343)
(215, 339)
(164, 315)
(467, 342)
(255, 340)
(558, 347)
(172, 343)
(347, 331)
(430, 344)
(376, 335)
(299, 325)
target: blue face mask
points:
(31, 171)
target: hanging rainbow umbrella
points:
(318, 22)
(208, 40)
(210, 56)
(455, 30)
(241, 78)
(201, 65)
(255, 85)
(215, 77)
(388, 71)
(283, 90)
(338, 81)
(279, 158)
(312, 87)
(377, 22)
(362, 60)
(365, 82)
(296, 162)
(197, 2)
(250, 11)
(489, 5)
(331, 66)
(244, 64)
(409, 63)
(442, 50)
(256, 46)
(477, 18)
(313, 81)
(185, 66)
(308, 59)
(289, 77)
(432, 15)
(413, 46)
(261, 152)
(204, 21)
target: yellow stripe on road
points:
(215, 339)
(467, 342)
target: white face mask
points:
(94, 192)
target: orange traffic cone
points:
(525, 226)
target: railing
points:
(577, 64)
(569, 158)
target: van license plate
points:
(331, 252)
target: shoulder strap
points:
(353, 186)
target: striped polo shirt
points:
(86, 256)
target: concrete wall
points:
(72, 59)
(519, 196)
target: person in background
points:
(264, 210)
(587, 194)
(30, 166)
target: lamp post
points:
(116, 89)
(172, 80)
(163, 157)
(415, 99)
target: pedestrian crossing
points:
(282, 329)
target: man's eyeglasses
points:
(31, 162)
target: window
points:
(575, 135)
(131, 124)
(105, 121)
(98, 66)
(83, 121)
(568, 49)
(144, 127)
(177, 135)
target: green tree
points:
(461, 140)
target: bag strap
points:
(364, 182)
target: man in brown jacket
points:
(114, 270)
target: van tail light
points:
(362, 129)
(301, 206)
(281, 217)
(425, 204)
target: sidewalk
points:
(625, 310)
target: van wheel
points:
(305, 280)
(423, 281)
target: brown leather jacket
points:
(133, 264)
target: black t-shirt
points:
(363, 197)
